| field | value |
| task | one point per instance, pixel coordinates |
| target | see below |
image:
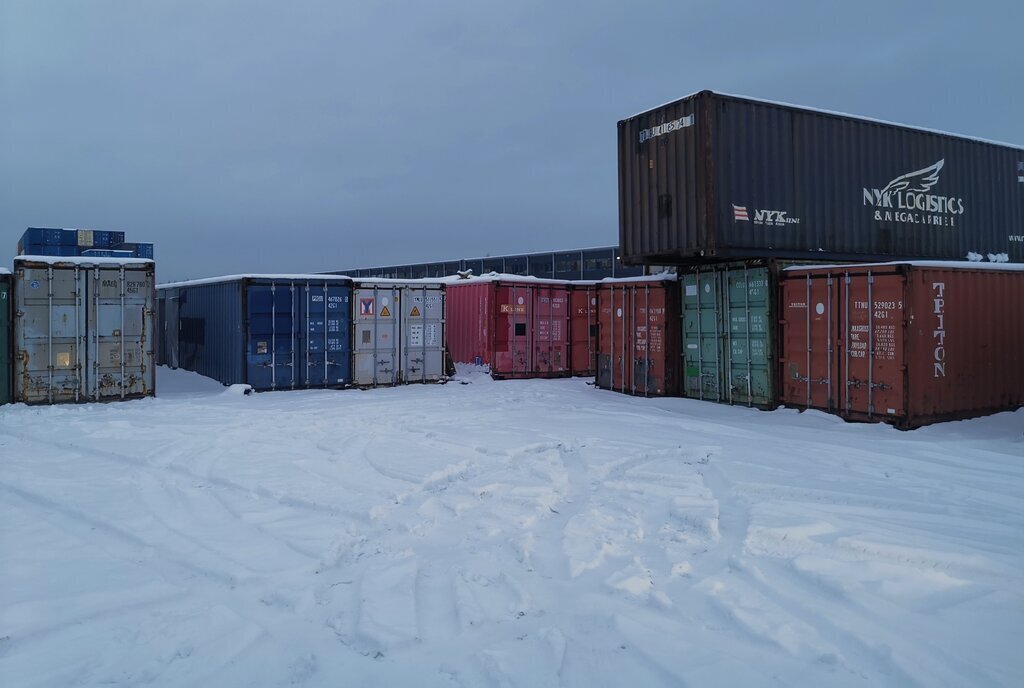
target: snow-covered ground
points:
(519, 533)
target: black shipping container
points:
(712, 176)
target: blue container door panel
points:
(271, 355)
(325, 341)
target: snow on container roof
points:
(943, 264)
(500, 277)
(82, 261)
(4, 271)
(306, 277)
(832, 113)
(398, 282)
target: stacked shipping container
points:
(40, 241)
(6, 335)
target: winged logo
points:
(919, 181)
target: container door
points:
(5, 341)
(50, 327)
(272, 338)
(811, 317)
(583, 326)
(324, 335)
(377, 336)
(871, 367)
(423, 329)
(622, 338)
(121, 333)
(750, 336)
(605, 331)
(550, 330)
(512, 332)
(704, 372)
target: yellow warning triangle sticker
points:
(385, 313)
(415, 311)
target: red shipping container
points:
(583, 328)
(518, 329)
(639, 336)
(904, 343)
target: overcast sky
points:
(291, 136)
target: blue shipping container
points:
(41, 236)
(48, 250)
(138, 250)
(270, 332)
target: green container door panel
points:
(728, 330)
(703, 368)
(6, 335)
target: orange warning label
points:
(385, 313)
(414, 312)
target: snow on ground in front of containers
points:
(516, 533)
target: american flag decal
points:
(739, 212)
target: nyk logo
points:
(772, 218)
(906, 199)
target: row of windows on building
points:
(585, 264)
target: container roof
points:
(944, 264)
(833, 113)
(82, 261)
(284, 277)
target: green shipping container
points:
(730, 333)
(5, 337)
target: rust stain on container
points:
(908, 344)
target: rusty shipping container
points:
(83, 329)
(904, 343)
(583, 328)
(6, 336)
(517, 328)
(639, 336)
(712, 176)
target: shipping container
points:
(83, 329)
(139, 250)
(583, 329)
(712, 176)
(271, 332)
(399, 332)
(6, 336)
(638, 335)
(41, 236)
(516, 328)
(904, 343)
(730, 332)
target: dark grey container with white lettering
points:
(715, 177)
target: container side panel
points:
(211, 331)
(6, 339)
(469, 329)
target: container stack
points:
(95, 243)
(723, 189)
(6, 335)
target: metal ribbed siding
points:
(271, 333)
(813, 166)
(83, 331)
(6, 337)
(886, 343)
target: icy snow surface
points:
(518, 533)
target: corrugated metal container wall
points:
(6, 336)
(908, 344)
(517, 329)
(714, 176)
(730, 333)
(399, 332)
(84, 330)
(583, 326)
(270, 332)
(639, 342)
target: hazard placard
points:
(414, 312)
(385, 313)
(365, 307)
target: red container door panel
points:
(550, 327)
(512, 331)
(469, 325)
(873, 370)
(583, 328)
(811, 325)
(639, 342)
